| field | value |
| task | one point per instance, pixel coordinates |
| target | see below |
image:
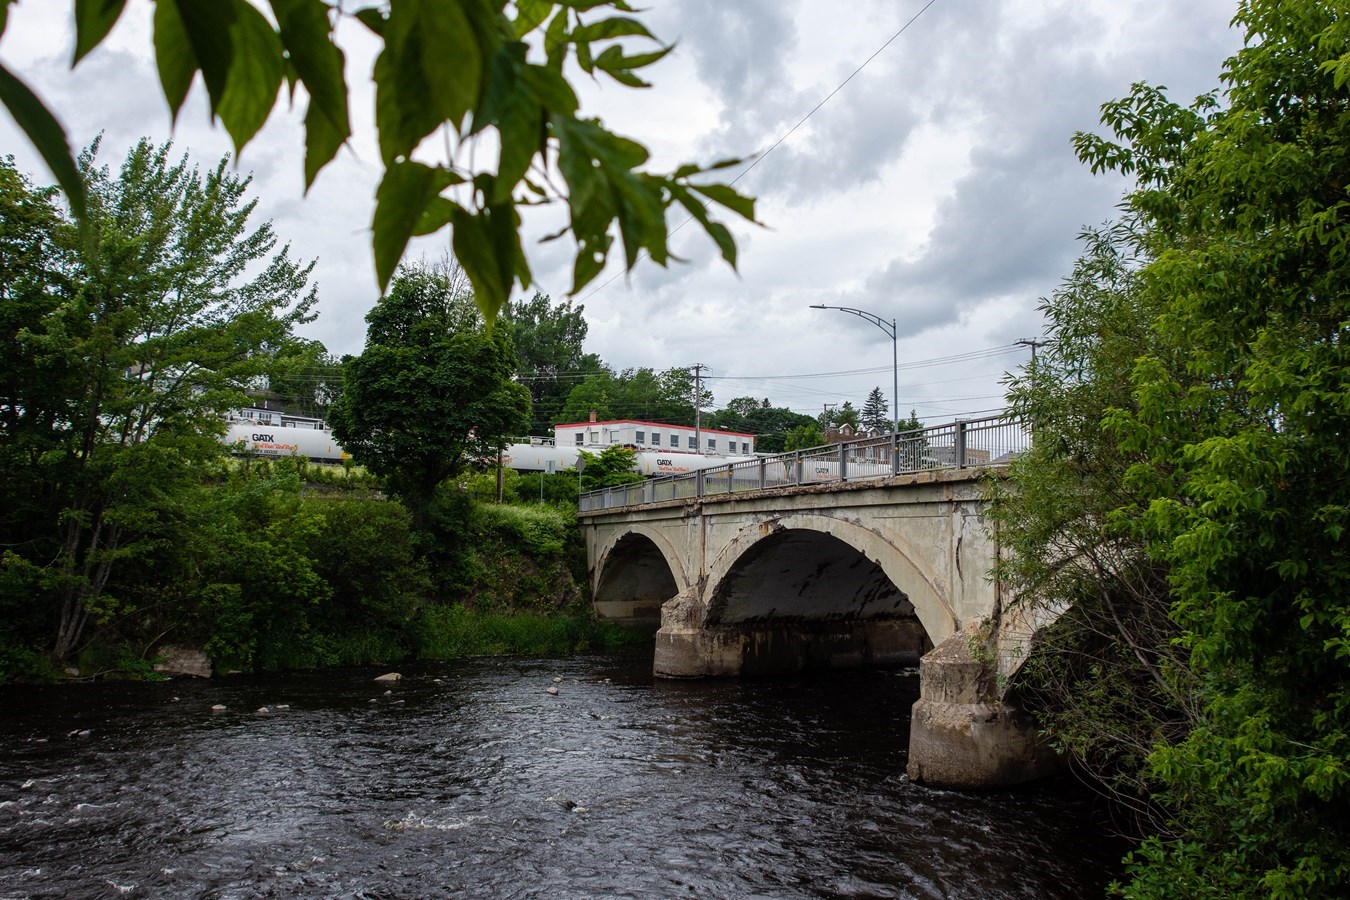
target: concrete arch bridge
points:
(872, 553)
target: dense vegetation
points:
(125, 528)
(1190, 486)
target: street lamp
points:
(889, 328)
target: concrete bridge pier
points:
(963, 733)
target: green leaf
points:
(586, 5)
(93, 20)
(256, 70)
(530, 14)
(319, 63)
(435, 217)
(716, 230)
(429, 72)
(210, 32)
(589, 263)
(641, 60)
(728, 197)
(47, 136)
(322, 142)
(551, 89)
(486, 245)
(373, 18)
(614, 27)
(174, 57)
(403, 195)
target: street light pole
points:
(889, 328)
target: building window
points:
(656, 439)
(745, 448)
(581, 438)
(642, 437)
(712, 443)
(693, 444)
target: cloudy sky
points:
(937, 187)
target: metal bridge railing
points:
(965, 443)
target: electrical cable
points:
(774, 146)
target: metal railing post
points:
(843, 462)
(895, 453)
(960, 443)
(763, 473)
(698, 483)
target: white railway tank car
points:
(309, 439)
(545, 456)
(315, 444)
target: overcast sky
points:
(937, 187)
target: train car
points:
(545, 456)
(250, 436)
(315, 444)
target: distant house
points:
(654, 436)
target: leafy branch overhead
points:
(469, 68)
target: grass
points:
(452, 632)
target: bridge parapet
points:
(965, 443)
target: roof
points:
(652, 425)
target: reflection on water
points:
(468, 779)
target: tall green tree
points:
(549, 342)
(768, 423)
(496, 86)
(666, 397)
(843, 414)
(431, 393)
(1226, 474)
(875, 412)
(305, 378)
(167, 304)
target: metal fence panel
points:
(992, 441)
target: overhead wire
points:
(774, 146)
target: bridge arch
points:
(636, 571)
(828, 565)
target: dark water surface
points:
(469, 780)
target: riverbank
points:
(277, 565)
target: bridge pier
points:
(962, 733)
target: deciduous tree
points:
(549, 340)
(1213, 452)
(149, 322)
(431, 392)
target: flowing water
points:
(469, 780)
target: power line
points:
(774, 146)
(971, 356)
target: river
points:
(468, 779)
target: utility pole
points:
(698, 405)
(1033, 344)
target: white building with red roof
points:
(654, 436)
